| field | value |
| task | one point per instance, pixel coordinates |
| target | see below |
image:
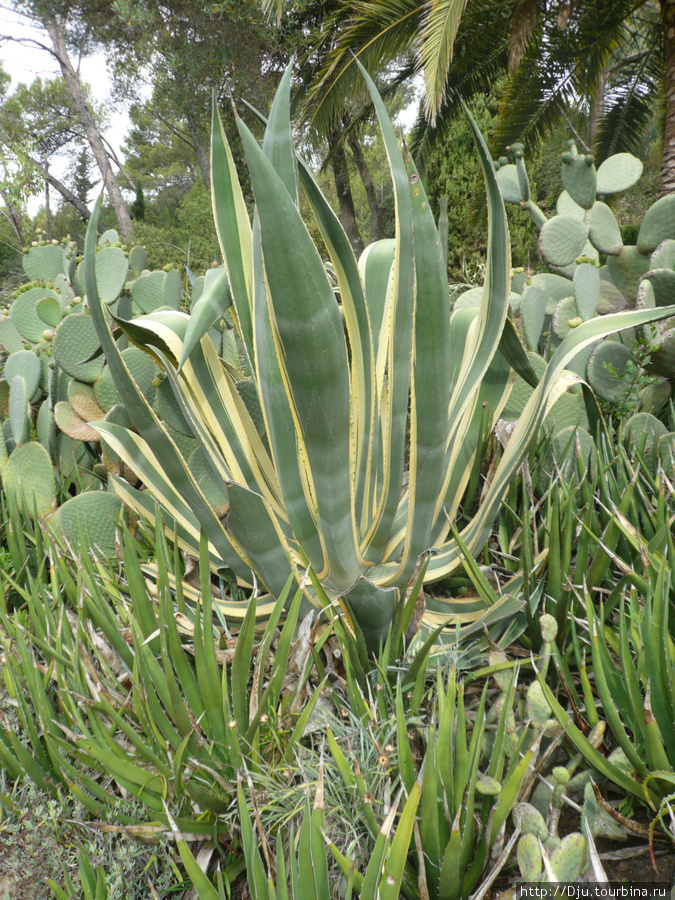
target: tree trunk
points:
(94, 138)
(597, 108)
(204, 160)
(48, 206)
(667, 177)
(12, 215)
(376, 217)
(67, 194)
(343, 189)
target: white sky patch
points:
(25, 61)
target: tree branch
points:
(563, 113)
(181, 135)
(113, 156)
(65, 192)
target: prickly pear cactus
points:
(89, 519)
(53, 379)
(579, 287)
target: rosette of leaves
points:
(349, 407)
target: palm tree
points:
(616, 57)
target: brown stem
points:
(667, 176)
(84, 114)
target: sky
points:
(23, 62)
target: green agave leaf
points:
(144, 418)
(555, 381)
(307, 329)
(399, 338)
(277, 142)
(215, 300)
(234, 230)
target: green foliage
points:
(181, 233)
(54, 380)
(631, 651)
(137, 208)
(574, 242)
(318, 494)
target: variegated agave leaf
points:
(355, 394)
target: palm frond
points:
(439, 29)
(523, 23)
(376, 33)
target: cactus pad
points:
(109, 237)
(10, 443)
(662, 360)
(74, 342)
(169, 410)
(73, 425)
(70, 455)
(667, 453)
(579, 180)
(81, 397)
(562, 239)
(565, 206)
(4, 398)
(105, 392)
(45, 427)
(28, 476)
(187, 445)
(607, 368)
(569, 858)
(19, 418)
(249, 394)
(567, 446)
(173, 290)
(471, 297)
(507, 176)
(625, 271)
(611, 299)
(565, 317)
(230, 351)
(197, 289)
(45, 262)
(117, 415)
(663, 285)
(26, 364)
(617, 173)
(532, 314)
(599, 823)
(10, 339)
(529, 857)
(568, 410)
(520, 392)
(111, 273)
(143, 370)
(653, 397)
(138, 260)
(89, 521)
(148, 291)
(586, 290)
(658, 224)
(664, 256)
(24, 314)
(643, 427)
(49, 311)
(604, 230)
(212, 488)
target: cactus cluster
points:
(574, 243)
(54, 381)
(542, 854)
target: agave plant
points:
(355, 393)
